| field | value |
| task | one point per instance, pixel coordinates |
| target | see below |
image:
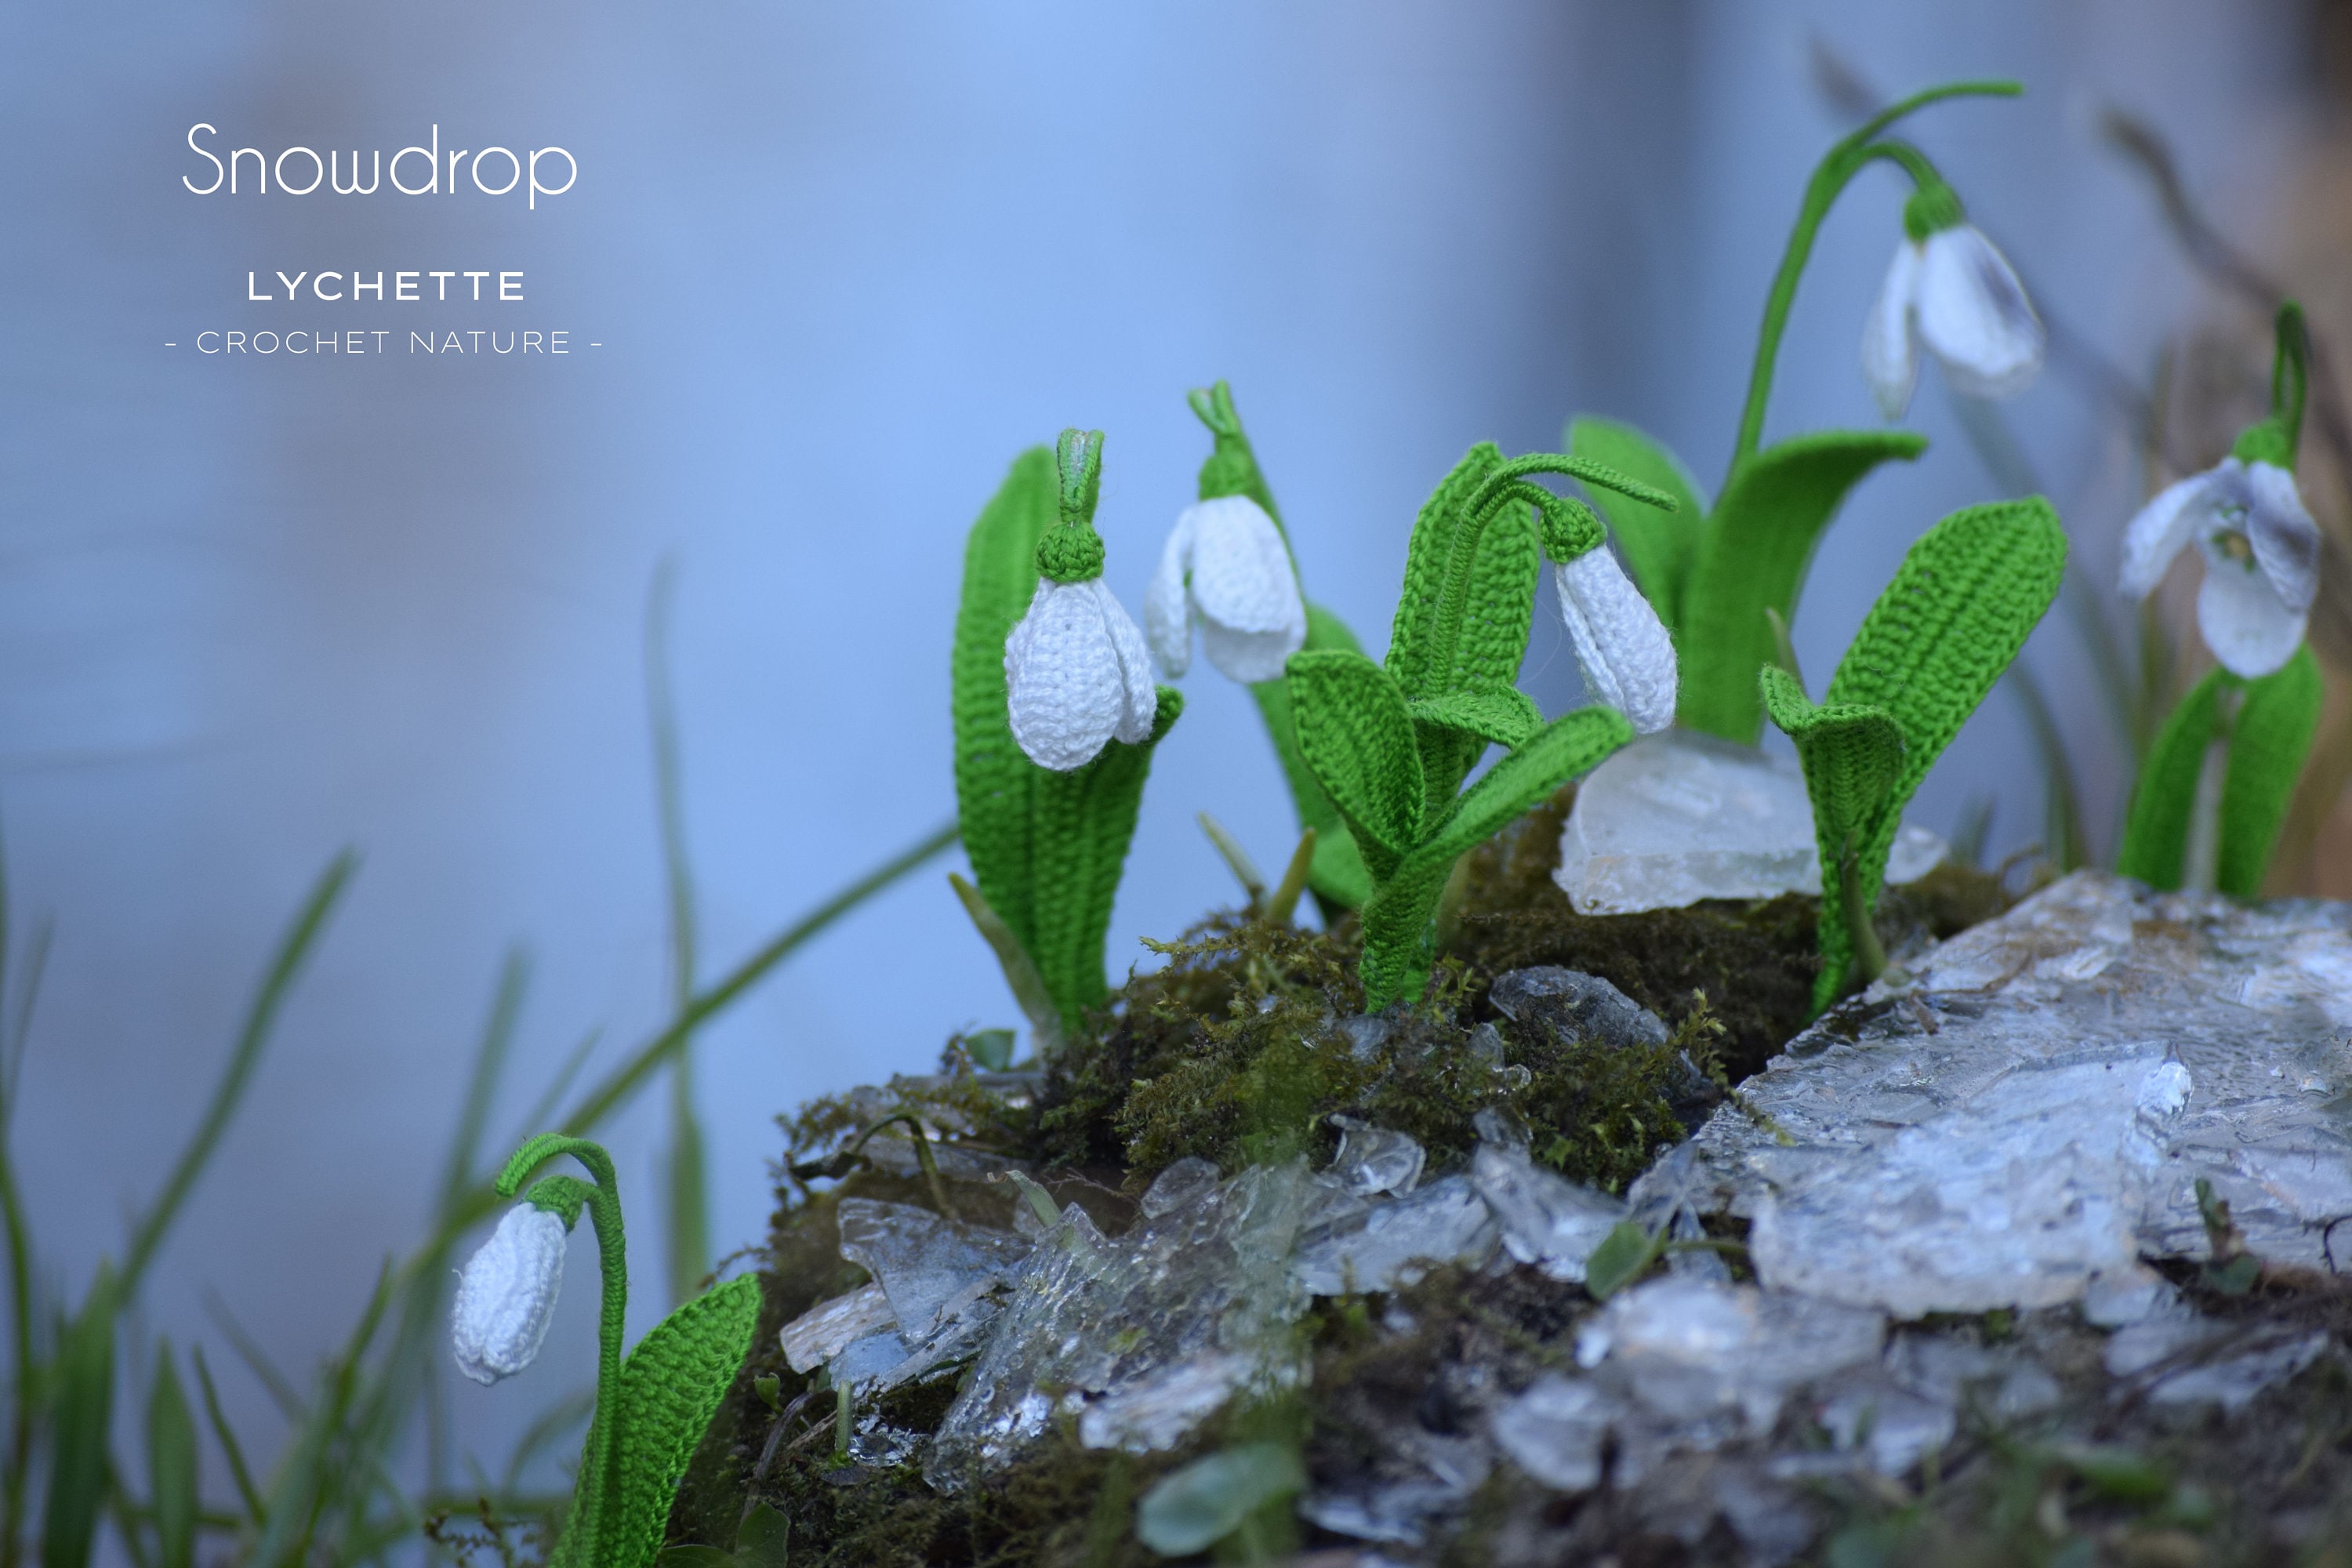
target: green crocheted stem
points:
(1852, 755)
(2267, 726)
(1659, 545)
(2275, 439)
(1336, 874)
(1968, 595)
(1752, 556)
(1837, 168)
(582, 1542)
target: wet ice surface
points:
(1677, 816)
(2042, 1095)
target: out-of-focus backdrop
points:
(843, 262)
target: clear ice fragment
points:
(921, 1260)
(1689, 1348)
(1373, 1160)
(819, 1334)
(1576, 1007)
(1547, 1220)
(1395, 1243)
(1556, 1431)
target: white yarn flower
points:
(1625, 651)
(2261, 559)
(1225, 570)
(507, 1295)
(1076, 675)
(1954, 293)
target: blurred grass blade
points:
(171, 1483)
(292, 951)
(1283, 904)
(1020, 974)
(2062, 830)
(688, 1235)
(318, 1465)
(490, 1065)
(226, 1435)
(84, 1406)
(553, 1424)
(1237, 861)
(280, 1388)
(560, 1084)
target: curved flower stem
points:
(1869, 954)
(1830, 176)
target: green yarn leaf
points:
(1083, 822)
(1661, 546)
(1968, 595)
(1503, 715)
(1355, 733)
(671, 1386)
(1336, 874)
(1420, 659)
(1850, 754)
(2164, 800)
(995, 783)
(2268, 743)
(1752, 556)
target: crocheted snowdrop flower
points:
(507, 1293)
(1950, 290)
(2261, 559)
(1625, 651)
(1076, 675)
(1225, 570)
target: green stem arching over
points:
(1830, 176)
(1869, 954)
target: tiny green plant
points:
(1959, 608)
(1717, 574)
(1055, 719)
(2213, 792)
(1391, 743)
(653, 1407)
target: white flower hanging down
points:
(2261, 559)
(506, 1296)
(1625, 651)
(1076, 675)
(1951, 290)
(1226, 570)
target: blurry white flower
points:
(1954, 292)
(507, 1294)
(1624, 651)
(1225, 569)
(1076, 675)
(2261, 559)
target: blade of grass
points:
(560, 1084)
(171, 1483)
(296, 946)
(226, 1435)
(280, 1388)
(688, 1235)
(2063, 807)
(307, 1479)
(83, 1408)
(1237, 860)
(573, 1410)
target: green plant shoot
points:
(1959, 608)
(1391, 744)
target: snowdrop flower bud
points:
(507, 1294)
(1625, 651)
(2261, 559)
(1226, 570)
(1077, 674)
(1951, 290)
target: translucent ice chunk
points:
(1575, 1006)
(1547, 1220)
(1679, 817)
(1155, 1411)
(1690, 1348)
(921, 1260)
(1182, 1185)
(1393, 1244)
(1374, 1159)
(1556, 1431)
(819, 1334)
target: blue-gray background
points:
(845, 261)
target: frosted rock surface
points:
(1679, 817)
(2042, 1091)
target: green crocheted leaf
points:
(1083, 822)
(1752, 557)
(2268, 744)
(671, 1385)
(1491, 642)
(1852, 754)
(2164, 800)
(1415, 658)
(1336, 874)
(1659, 545)
(1961, 605)
(1503, 715)
(1354, 731)
(994, 782)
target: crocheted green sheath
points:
(1391, 745)
(2266, 727)
(1046, 847)
(653, 1408)
(1959, 608)
(1336, 875)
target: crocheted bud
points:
(1076, 676)
(1227, 571)
(1070, 554)
(1953, 293)
(1625, 651)
(507, 1295)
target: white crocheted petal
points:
(506, 1295)
(1167, 612)
(1624, 651)
(2249, 630)
(1241, 577)
(1063, 686)
(1248, 656)
(2162, 528)
(1974, 315)
(1138, 698)
(1890, 356)
(2285, 540)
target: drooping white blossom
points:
(1076, 675)
(1955, 294)
(2261, 559)
(1227, 571)
(507, 1293)
(1625, 651)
